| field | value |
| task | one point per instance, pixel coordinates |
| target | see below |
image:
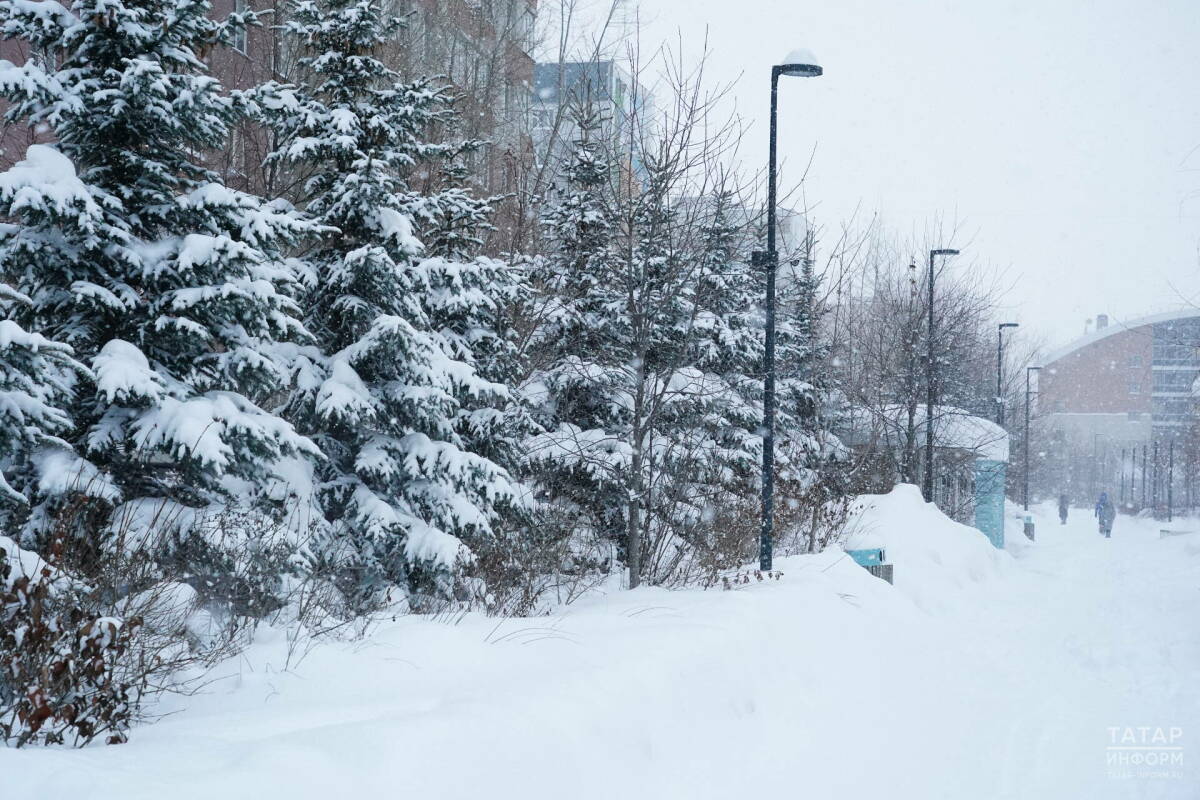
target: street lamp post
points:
(930, 394)
(798, 64)
(1000, 369)
(1025, 493)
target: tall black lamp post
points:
(930, 388)
(1028, 391)
(798, 64)
(1000, 370)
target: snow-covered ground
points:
(980, 675)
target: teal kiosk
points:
(989, 499)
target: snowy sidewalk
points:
(978, 676)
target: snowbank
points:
(997, 683)
(936, 558)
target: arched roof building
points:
(1129, 381)
(1115, 405)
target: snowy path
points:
(1100, 634)
(979, 676)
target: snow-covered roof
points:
(953, 428)
(1113, 328)
(956, 428)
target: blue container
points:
(867, 558)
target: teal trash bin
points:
(873, 558)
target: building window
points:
(239, 36)
(528, 29)
(1135, 387)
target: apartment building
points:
(622, 106)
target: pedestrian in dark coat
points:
(1064, 505)
(1106, 512)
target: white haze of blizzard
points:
(980, 675)
(1062, 135)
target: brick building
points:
(1109, 398)
(484, 50)
(481, 47)
(250, 60)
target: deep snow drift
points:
(980, 675)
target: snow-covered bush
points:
(62, 679)
(812, 514)
(238, 561)
(81, 658)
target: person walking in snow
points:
(1064, 505)
(1106, 513)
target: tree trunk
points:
(634, 522)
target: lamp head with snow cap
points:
(800, 63)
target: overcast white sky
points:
(1063, 134)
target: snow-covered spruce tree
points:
(474, 304)
(412, 424)
(35, 377)
(801, 383)
(727, 349)
(696, 406)
(645, 360)
(471, 303)
(580, 346)
(170, 286)
(811, 470)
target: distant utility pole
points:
(1028, 391)
(1133, 476)
(1145, 452)
(1171, 482)
(1154, 486)
(1122, 476)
